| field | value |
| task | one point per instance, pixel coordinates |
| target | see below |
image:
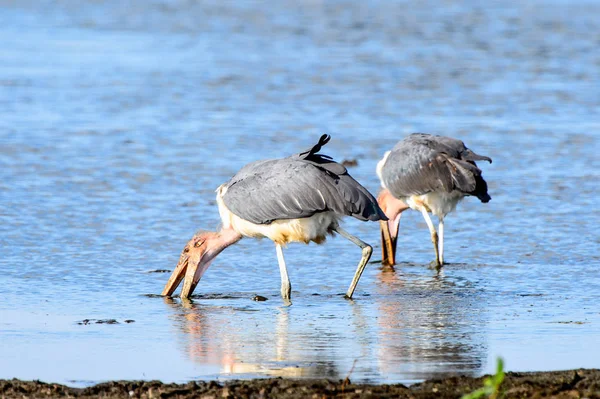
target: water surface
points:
(118, 121)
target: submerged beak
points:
(393, 209)
(177, 275)
(389, 236)
(196, 268)
(196, 258)
(190, 268)
(192, 264)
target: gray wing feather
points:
(298, 187)
(423, 163)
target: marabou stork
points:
(300, 198)
(430, 174)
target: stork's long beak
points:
(177, 275)
(190, 269)
(389, 235)
(393, 209)
(196, 258)
(197, 265)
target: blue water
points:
(119, 120)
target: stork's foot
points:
(436, 264)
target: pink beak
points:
(190, 269)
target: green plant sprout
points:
(491, 385)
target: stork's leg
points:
(434, 236)
(441, 239)
(286, 286)
(367, 250)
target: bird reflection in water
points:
(194, 322)
(430, 326)
(416, 325)
(213, 335)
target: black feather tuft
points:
(316, 148)
(481, 190)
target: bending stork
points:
(296, 199)
(430, 174)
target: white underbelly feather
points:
(438, 203)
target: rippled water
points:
(119, 120)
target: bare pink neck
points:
(219, 240)
(229, 237)
(391, 205)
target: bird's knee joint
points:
(367, 251)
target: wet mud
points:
(559, 384)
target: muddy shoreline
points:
(582, 383)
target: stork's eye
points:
(186, 250)
(198, 243)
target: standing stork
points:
(300, 198)
(430, 174)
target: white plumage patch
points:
(314, 228)
(380, 168)
(438, 203)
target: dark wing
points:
(452, 147)
(298, 187)
(423, 163)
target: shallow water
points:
(119, 120)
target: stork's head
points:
(196, 257)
